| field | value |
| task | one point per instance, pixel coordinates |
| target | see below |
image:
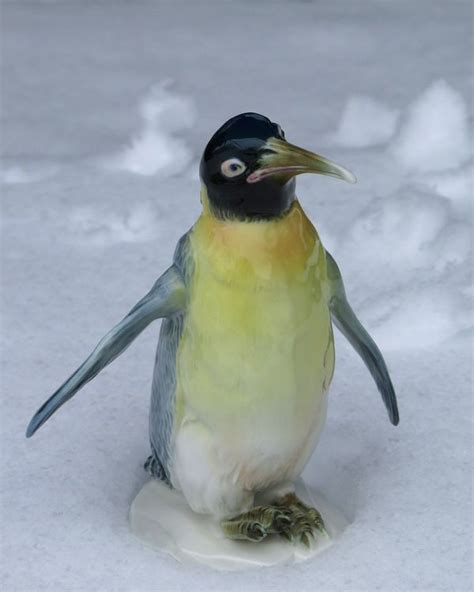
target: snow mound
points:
(408, 256)
(365, 122)
(418, 317)
(399, 235)
(100, 227)
(435, 134)
(457, 186)
(156, 148)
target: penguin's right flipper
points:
(167, 297)
(350, 326)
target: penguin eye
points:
(232, 167)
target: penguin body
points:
(246, 350)
(253, 363)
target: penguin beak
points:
(281, 158)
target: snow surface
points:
(100, 156)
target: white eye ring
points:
(232, 167)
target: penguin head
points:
(249, 169)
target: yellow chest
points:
(257, 336)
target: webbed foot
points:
(256, 524)
(303, 520)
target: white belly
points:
(219, 469)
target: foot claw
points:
(322, 530)
(305, 520)
(307, 538)
(287, 535)
(281, 522)
(256, 532)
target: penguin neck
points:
(277, 246)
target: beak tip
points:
(351, 178)
(346, 175)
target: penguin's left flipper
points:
(349, 325)
(167, 297)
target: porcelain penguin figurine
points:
(246, 351)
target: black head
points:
(248, 168)
(231, 155)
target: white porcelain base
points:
(161, 518)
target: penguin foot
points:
(303, 520)
(257, 524)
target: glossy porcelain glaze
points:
(161, 518)
(255, 359)
(244, 136)
(246, 353)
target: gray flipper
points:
(163, 392)
(349, 325)
(166, 298)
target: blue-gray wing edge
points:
(350, 326)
